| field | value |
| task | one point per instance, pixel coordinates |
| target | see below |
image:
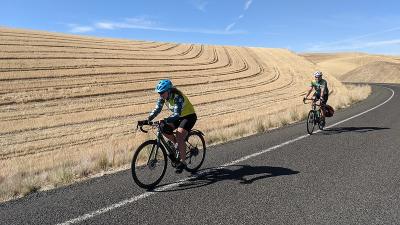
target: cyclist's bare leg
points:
(180, 136)
(322, 111)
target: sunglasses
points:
(161, 93)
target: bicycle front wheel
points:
(149, 164)
(195, 151)
(310, 122)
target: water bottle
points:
(176, 150)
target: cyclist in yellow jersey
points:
(321, 92)
(183, 117)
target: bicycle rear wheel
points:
(321, 125)
(195, 151)
(149, 164)
(310, 122)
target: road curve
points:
(347, 174)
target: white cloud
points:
(357, 43)
(74, 28)
(144, 24)
(200, 5)
(247, 4)
(362, 37)
(230, 26)
(139, 22)
(241, 16)
(105, 25)
(383, 43)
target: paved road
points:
(348, 174)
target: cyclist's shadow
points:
(339, 130)
(245, 174)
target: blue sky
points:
(301, 26)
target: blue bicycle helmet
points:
(163, 85)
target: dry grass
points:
(353, 94)
(68, 104)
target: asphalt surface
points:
(347, 174)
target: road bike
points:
(149, 162)
(314, 116)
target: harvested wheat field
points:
(69, 104)
(358, 67)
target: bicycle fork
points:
(154, 152)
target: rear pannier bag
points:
(329, 111)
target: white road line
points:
(179, 182)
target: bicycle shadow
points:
(339, 130)
(245, 174)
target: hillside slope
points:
(374, 72)
(349, 66)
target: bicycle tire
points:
(321, 124)
(139, 164)
(195, 151)
(310, 122)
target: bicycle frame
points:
(317, 112)
(171, 153)
(161, 140)
(314, 106)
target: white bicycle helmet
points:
(318, 74)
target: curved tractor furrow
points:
(173, 50)
(75, 62)
(200, 58)
(20, 85)
(48, 36)
(44, 45)
(182, 52)
(39, 42)
(181, 85)
(6, 111)
(71, 44)
(17, 51)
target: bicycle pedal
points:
(173, 164)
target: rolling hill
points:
(358, 67)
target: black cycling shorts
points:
(185, 122)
